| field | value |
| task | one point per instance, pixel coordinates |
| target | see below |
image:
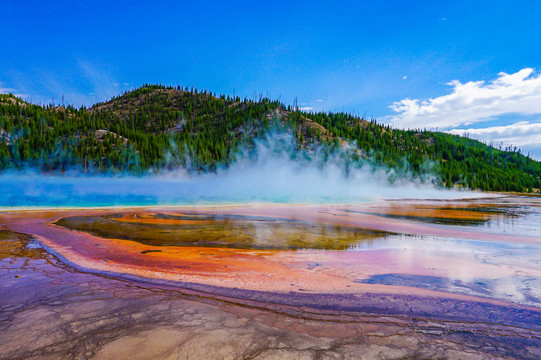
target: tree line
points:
(157, 127)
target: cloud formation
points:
(472, 102)
(523, 134)
(102, 82)
(7, 90)
(95, 82)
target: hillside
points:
(156, 127)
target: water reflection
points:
(507, 215)
(441, 220)
(498, 270)
(437, 246)
(231, 231)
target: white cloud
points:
(472, 102)
(523, 133)
(102, 82)
(4, 90)
(320, 100)
(404, 77)
(306, 108)
(87, 83)
(8, 90)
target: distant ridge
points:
(155, 127)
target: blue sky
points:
(359, 56)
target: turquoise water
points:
(21, 191)
(40, 191)
(80, 191)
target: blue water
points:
(28, 190)
(57, 191)
(43, 191)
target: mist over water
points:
(273, 172)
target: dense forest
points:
(157, 127)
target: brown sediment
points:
(423, 211)
(210, 230)
(136, 218)
(13, 245)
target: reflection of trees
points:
(225, 231)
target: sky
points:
(466, 67)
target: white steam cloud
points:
(273, 173)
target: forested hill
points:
(157, 127)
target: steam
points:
(273, 172)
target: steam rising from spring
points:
(272, 172)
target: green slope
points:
(157, 127)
